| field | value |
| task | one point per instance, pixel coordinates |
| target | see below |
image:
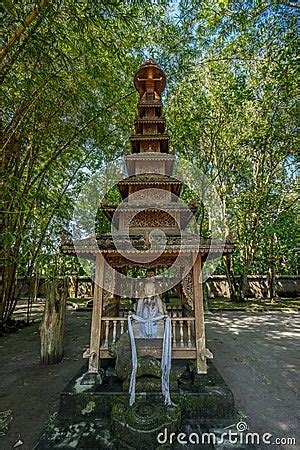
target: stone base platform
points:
(99, 416)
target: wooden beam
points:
(199, 317)
(94, 352)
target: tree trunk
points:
(243, 285)
(53, 322)
(271, 283)
(271, 274)
(205, 297)
(32, 296)
(232, 284)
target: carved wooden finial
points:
(150, 73)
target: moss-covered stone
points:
(148, 366)
(200, 399)
(90, 407)
(81, 435)
(122, 351)
(143, 421)
(148, 378)
(208, 404)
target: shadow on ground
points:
(256, 354)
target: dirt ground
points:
(256, 354)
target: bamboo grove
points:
(67, 110)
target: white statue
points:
(149, 307)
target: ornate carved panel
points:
(147, 196)
(187, 288)
(106, 296)
(142, 167)
(149, 219)
(150, 112)
(150, 146)
(149, 128)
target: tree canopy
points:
(69, 104)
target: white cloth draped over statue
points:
(150, 322)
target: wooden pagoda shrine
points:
(150, 201)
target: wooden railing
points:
(182, 331)
(173, 311)
(112, 328)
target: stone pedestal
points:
(146, 418)
(100, 416)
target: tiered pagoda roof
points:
(150, 194)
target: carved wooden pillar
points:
(183, 299)
(199, 317)
(117, 296)
(94, 359)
